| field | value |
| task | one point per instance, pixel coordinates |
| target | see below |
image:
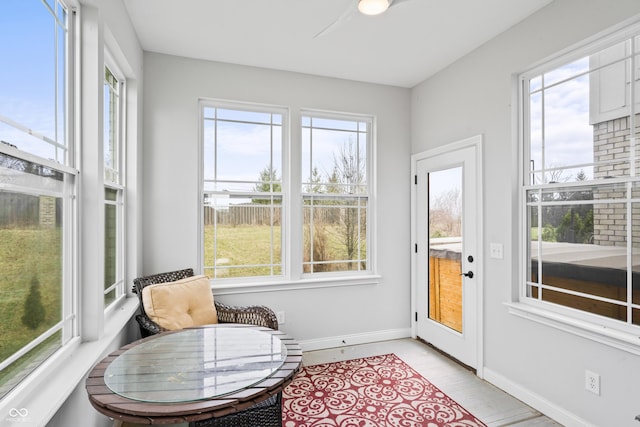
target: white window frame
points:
(611, 332)
(369, 120)
(66, 165)
(119, 183)
(285, 185)
(293, 277)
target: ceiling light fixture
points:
(373, 7)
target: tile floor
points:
(490, 404)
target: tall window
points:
(37, 187)
(243, 190)
(581, 183)
(335, 192)
(114, 190)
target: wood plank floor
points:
(490, 404)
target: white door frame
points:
(477, 142)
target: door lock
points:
(469, 274)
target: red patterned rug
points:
(379, 391)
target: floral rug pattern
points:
(379, 391)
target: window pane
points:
(335, 158)
(535, 135)
(30, 278)
(334, 162)
(635, 254)
(566, 72)
(110, 244)
(582, 247)
(242, 160)
(243, 237)
(209, 149)
(23, 173)
(111, 128)
(335, 235)
(224, 114)
(239, 150)
(33, 197)
(579, 119)
(32, 97)
(249, 141)
(568, 137)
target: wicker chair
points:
(252, 315)
(267, 413)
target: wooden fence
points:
(24, 210)
(266, 215)
(243, 215)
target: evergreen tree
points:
(33, 309)
(315, 182)
(269, 182)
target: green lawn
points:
(250, 244)
(242, 245)
(26, 254)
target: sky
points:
(245, 149)
(27, 89)
(568, 135)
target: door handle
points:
(469, 274)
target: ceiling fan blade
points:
(344, 17)
(347, 15)
(395, 2)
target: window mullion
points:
(539, 245)
(629, 226)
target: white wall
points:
(173, 86)
(543, 366)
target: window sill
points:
(230, 288)
(43, 392)
(599, 333)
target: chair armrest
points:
(147, 326)
(258, 315)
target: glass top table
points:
(195, 364)
(168, 378)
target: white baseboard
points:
(354, 339)
(534, 400)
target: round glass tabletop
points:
(195, 364)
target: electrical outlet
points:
(280, 317)
(592, 382)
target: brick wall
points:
(611, 143)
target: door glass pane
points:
(445, 247)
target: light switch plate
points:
(496, 250)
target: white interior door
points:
(447, 277)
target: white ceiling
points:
(402, 47)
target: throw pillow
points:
(180, 304)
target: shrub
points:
(33, 309)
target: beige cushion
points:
(180, 304)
